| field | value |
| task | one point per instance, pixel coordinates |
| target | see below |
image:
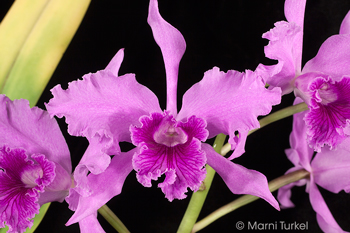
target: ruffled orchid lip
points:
(329, 116)
(172, 148)
(22, 179)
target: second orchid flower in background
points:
(323, 83)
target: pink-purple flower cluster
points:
(108, 109)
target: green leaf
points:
(43, 48)
(15, 29)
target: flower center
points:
(30, 175)
(327, 94)
(169, 135)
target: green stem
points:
(246, 199)
(198, 198)
(278, 115)
(113, 219)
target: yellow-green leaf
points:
(43, 49)
(14, 30)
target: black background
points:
(219, 33)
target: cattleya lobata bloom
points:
(35, 165)
(329, 169)
(107, 109)
(323, 83)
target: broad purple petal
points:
(33, 130)
(331, 168)
(229, 102)
(171, 148)
(90, 224)
(325, 218)
(285, 45)
(239, 179)
(173, 46)
(333, 57)
(103, 186)
(328, 121)
(21, 181)
(345, 25)
(101, 107)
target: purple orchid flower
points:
(107, 109)
(323, 83)
(329, 169)
(35, 163)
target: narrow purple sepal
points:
(173, 46)
(90, 224)
(239, 179)
(325, 218)
(229, 102)
(294, 10)
(103, 187)
(114, 65)
(345, 25)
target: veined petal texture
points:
(328, 121)
(229, 102)
(171, 148)
(101, 107)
